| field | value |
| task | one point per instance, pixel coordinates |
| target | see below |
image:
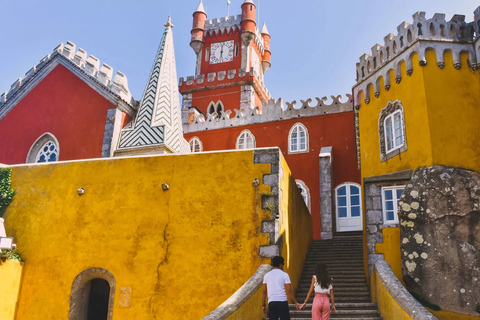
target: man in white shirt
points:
(277, 284)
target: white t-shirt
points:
(319, 289)
(276, 280)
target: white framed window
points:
(391, 128)
(195, 145)
(393, 125)
(298, 139)
(390, 197)
(44, 149)
(246, 140)
(348, 200)
(304, 191)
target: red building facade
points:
(65, 108)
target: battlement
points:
(230, 24)
(435, 29)
(223, 22)
(272, 111)
(222, 76)
(90, 66)
(455, 37)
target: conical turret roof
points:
(157, 127)
(200, 7)
(264, 29)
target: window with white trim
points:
(391, 127)
(304, 191)
(348, 200)
(393, 131)
(298, 139)
(195, 145)
(245, 140)
(44, 149)
(390, 197)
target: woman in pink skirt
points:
(323, 285)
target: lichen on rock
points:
(440, 231)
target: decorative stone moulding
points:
(89, 65)
(272, 111)
(223, 75)
(435, 34)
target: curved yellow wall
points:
(453, 99)
(387, 305)
(295, 227)
(182, 251)
(10, 282)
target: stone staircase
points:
(343, 256)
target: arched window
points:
(348, 200)
(45, 149)
(304, 191)
(195, 145)
(298, 139)
(246, 140)
(215, 107)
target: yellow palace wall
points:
(441, 123)
(180, 252)
(10, 281)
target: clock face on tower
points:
(221, 52)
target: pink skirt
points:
(321, 307)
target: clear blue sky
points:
(315, 43)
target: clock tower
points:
(232, 58)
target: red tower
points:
(232, 57)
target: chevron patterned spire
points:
(157, 127)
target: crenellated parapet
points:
(89, 65)
(437, 34)
(228, 25)
(215, 78)
(274, 110)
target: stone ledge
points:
(400, 294)
(230, 305)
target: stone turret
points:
(266, 62)
(248, 24)
(197, 38)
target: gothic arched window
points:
(195, 145)
(45, 149)
(246, 140)
(298, 139)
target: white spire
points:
(264, 29)
(200, 7)
(157, 127)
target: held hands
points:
(303, 306)
(298, 306)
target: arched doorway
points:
(92, 295)
(99, 294)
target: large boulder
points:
(439, 214)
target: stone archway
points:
(89, 288)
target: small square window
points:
(390, 198)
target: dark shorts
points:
(278, 310)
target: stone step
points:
(350, 312)
(344, 306)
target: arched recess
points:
(215, 107)
(82, 287)
(305, 192)
(47, 146)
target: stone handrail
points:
(411, 306)
(240, 296)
